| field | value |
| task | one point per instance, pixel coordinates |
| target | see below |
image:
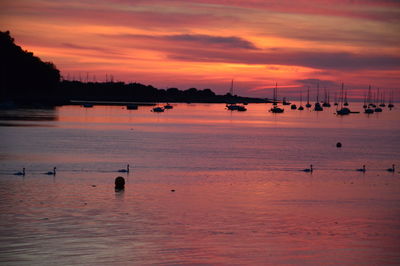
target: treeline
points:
(25, 79)
(136, 92)
(23, 76)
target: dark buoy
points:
(338, 145)
(172, 190)
(119, 183)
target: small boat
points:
(378, 110)
(241, 108)
(284, 102)
(87, 105)
(326, 99)
(158, 109)
(391, 105)
(232, 107)
(276, 109)
(369, 111)
(318, 107)
(343, 111)
(308, 105)
(168, 106)
(293, 107)
(131, 106)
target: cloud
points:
(312, 82)
(190, 40)
(319, 60)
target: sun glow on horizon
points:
(206, 43)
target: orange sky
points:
(206, 43)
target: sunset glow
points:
(207, 43)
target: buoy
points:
(119, 183)
(338, 145)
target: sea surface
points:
(206, 186)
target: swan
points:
(124, 170)
(309, 170)
(20, 173)
(51, 172)
(390, 169)
(361, 169)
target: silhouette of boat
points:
(317, 106)
(132, 106)
(343, 111)
(284, 102)
(158, 109)
(308, 105)
(293, 107)
(233, 106)
(168, 106)
(87, 105)
(301, 102)
(275, 108)
(326, 99)
(391, 105)
(241, 108)
(369, 111)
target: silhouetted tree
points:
(24, 77)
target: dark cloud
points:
(318, 60)
(312, 82)
(227, 42)
(192, 40)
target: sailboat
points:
(391, 105)
(275, 108)
(343, 110)
(377, 108)
(301, 101)
(233, 106)
(336, 101)
(308, 105)
(317, 106)
(366, 106)
(326, 99)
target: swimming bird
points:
(309, 170)
(51, 172)
(20, 173)
(124, 170)
(361, 169)
(390, 169)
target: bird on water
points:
(391, 169)
(20, 173)
(124, 170)
(309, 170)
(361, 169)
(51, 172)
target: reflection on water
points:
(239, 195)
(18, 117)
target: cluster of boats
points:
(341, 105)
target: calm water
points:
(240, 197)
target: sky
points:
(208, 43)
